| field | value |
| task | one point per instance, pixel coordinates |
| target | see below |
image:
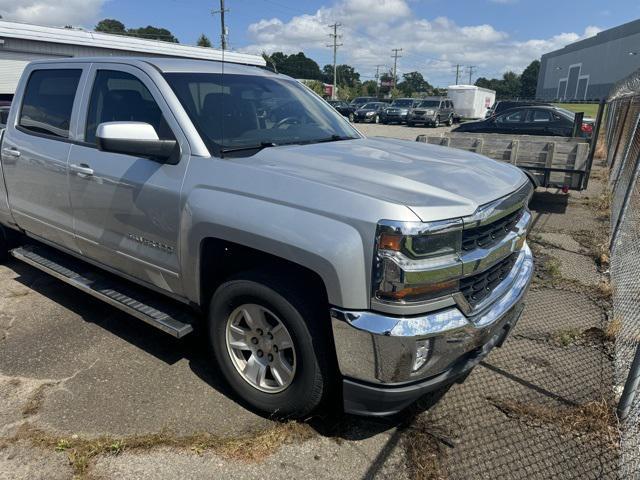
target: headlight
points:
(370, 113)
(430, 112)
(417, 261)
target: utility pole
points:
(335, 46)
(378, 79)
(223, 31)
(395, 63)
(457, 73)
(471, 68)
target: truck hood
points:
(435, 182)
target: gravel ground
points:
(88, 391)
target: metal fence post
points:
(630, 388)
(594, 142)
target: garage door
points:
(11, 66)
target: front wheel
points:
(450, 121)
(4, 245)
(377, 119)
(270, 346)
(436, 123)
(351, 117)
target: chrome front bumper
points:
(380, 349)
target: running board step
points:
(167, 315)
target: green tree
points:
(369, 88)
(509, 86)
(111, 25)
(347, 75)
(296, 65)
(386, 83)
(204, 41)
(316, 86)
(413, 82)
(529, 80)
(153, 33)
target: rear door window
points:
(48, 101)
(540, 116)
(516, 116)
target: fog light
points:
(423, 351)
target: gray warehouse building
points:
(586, 70)
(21, 43)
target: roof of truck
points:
(170, 65)
(125, 43)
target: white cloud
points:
(371, 28)
(51, 12)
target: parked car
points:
(4, 114)
(529, 120)
(358, 102)
(432, 111)
(316, 262)
(343, 108)
(397, 111)
(502, 105)
(369, 113)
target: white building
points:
(21, 43)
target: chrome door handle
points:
(82, 169)
(11, 152)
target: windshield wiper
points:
(332, 138)
(258, 147)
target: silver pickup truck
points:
(232, 200)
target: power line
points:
(335, 46)
(395, 57)
(223, 28)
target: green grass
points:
(589, 109)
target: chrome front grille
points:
(479, 286)
(488, 235)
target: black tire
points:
(436, 122)
(450, 121)
(307, 324)
(351, 117)
(376, 119)
(410, 124)
(4, 245)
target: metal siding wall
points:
(606, 63)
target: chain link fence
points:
(623, 158)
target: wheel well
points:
(220, 259)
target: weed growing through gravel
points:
(596, 418)
(249, 448)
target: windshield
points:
(370, 106)
(361, 100)
(429, 104)
(243, 111)
(402, 103)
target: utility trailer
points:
(558, 162)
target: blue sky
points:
(493, 35)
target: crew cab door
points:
(127, 208)
(35, 150)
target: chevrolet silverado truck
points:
(231, 201)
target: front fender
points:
(332, 249)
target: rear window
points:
(48, 101)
